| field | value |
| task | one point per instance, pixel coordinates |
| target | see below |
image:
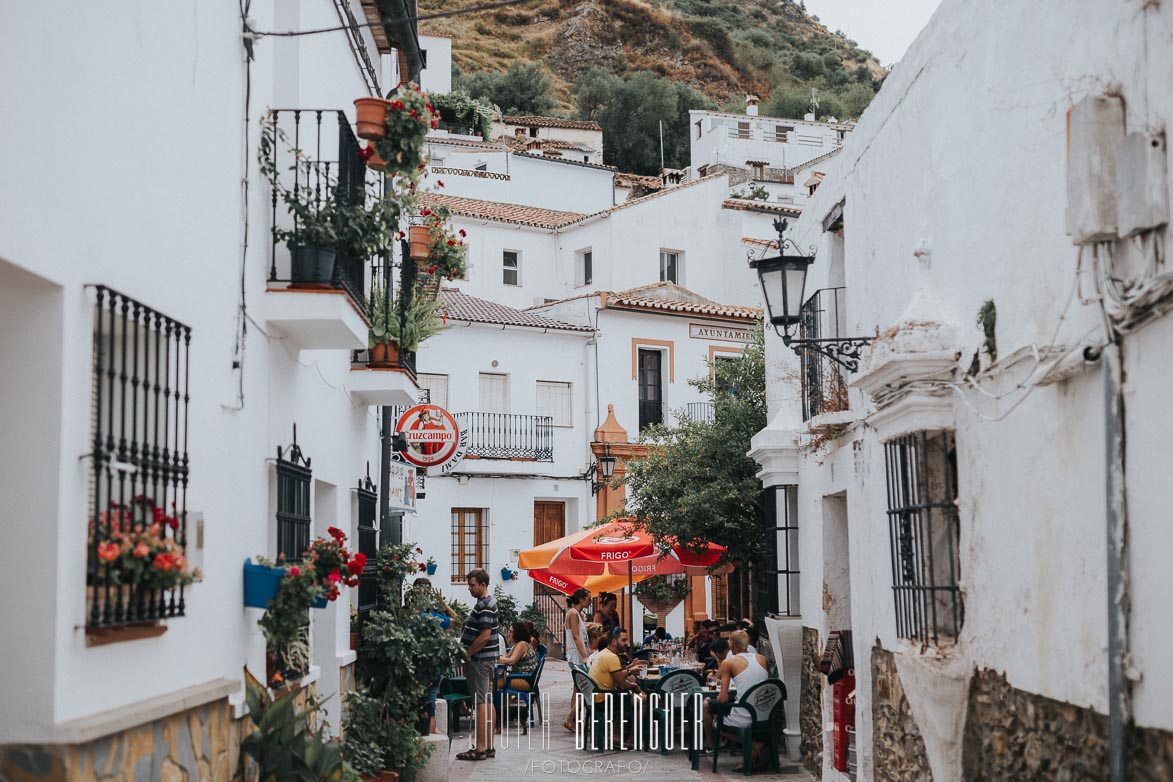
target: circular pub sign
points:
(433, 439)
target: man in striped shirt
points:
(482, 643)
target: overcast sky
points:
(884, 27)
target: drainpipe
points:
(1119, 685)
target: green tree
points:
(630, 111)
(792, 102)
(856, 98)
(525, 88)
(696, 484)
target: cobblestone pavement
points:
(544, 754)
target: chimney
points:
(751, 105)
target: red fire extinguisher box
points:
(843, 717)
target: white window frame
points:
(420, 382)
(568, 422)
(580, 277)
(516, 269)
(679, 266)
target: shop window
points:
(921, 471)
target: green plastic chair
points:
(454, 693)
(587, 686)
(764, 701)
(679, 686)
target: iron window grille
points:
(824, 378)
(921, 471)
(368, 542)
(470, 542)
(139, 466)
(705, 412)
(293, 502)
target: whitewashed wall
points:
(532, 181)
(157, 216)
(437, 75)
(808, 140)
(996, 83)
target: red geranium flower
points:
(295, 571)
(423, 566)
(425, 212)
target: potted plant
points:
(662, 593)
(370, 117)
(447, 256)
(420, 236)
(508, 573)
(409, 117)
(432, 566)
(404, 649)
(285, 744)
(461, 113)
(391, 334)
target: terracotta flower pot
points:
(371, 117)
(384, 354)
(375, 162)
(353, 641)
(383, 776)
(420, 240)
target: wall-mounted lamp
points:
(606, 465)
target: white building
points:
(436, 54)
(146, 312)
(982, 503)
(572, 139)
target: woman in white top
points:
(575, 641)
(740, 669)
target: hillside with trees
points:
(638, 62)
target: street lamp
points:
(783, 280)
(607, 465)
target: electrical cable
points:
(381, 22)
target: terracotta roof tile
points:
(768, 207)
(457, 305)
(665, 297)
(554, 122)
(517, 214)
(769, 244)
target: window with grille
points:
(470, 542)
(921, 471)
(494, 393)
(720, 593)
(511, 267)
(293, 501)
(139, 463)
(554, 401)
(437, 388)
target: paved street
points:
(535, 757)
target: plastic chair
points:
(677, 687)
(764, 701)
(644, 654)
(531, 697)
(454, 693)
(587, 686)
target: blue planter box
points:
(260, 585)
(432, 570)
(506, 574)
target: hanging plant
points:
(447, 254)
(461, 112)
(409, 118)
(421, 321)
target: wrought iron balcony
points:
(508, 436)
(701, 411)
(324, 163)
(824, 379)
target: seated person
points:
(741, 670)
(522, 657)
(659, 635)
(611, 675)
(595, 631)
(600, 644)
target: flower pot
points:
(661, 607)
(420, 240)
(384, 354)
(311, 264)
(353, 641)
(383, 776)
(260, 584)
(431, 568)
(506, 574)
(371, 117)
(375, 162)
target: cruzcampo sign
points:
(434, 441)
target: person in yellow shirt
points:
(611, 675)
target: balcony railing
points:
(701, 411)
(508, 436)
(824, 380)
(324, 163)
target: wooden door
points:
(549, 524)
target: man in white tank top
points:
(738, 669)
